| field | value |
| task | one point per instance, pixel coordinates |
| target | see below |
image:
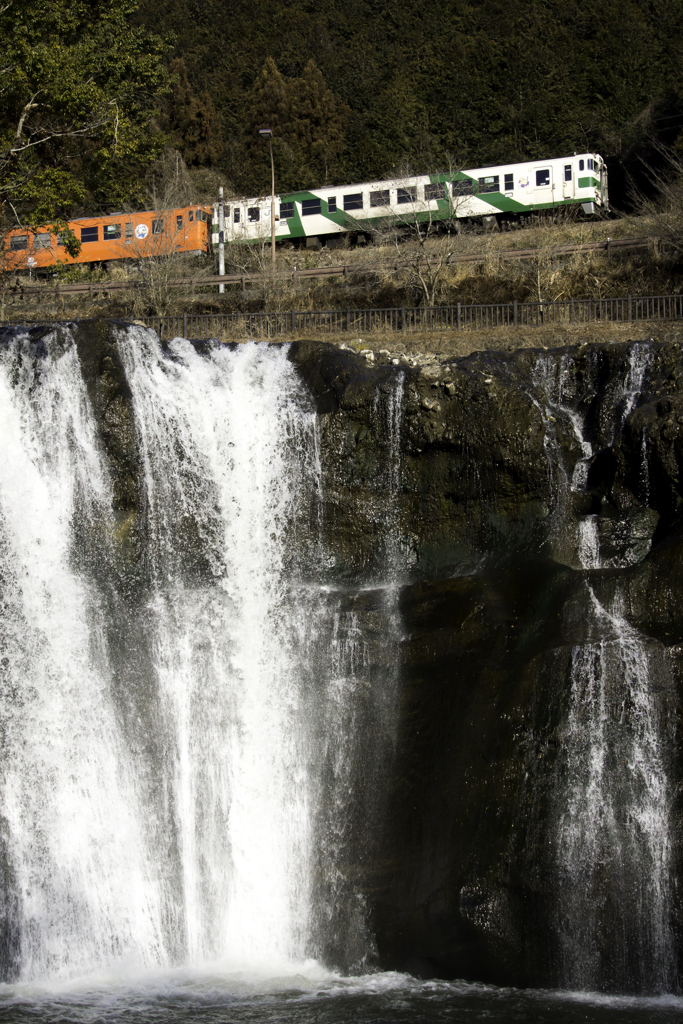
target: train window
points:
(354, 201)
(41, 241)
(509, 182)
(581, 165)
(129, 229)
(90, 234)
(435, 191)
(407, 194)
(286, 211)
(110, 231)
(190, 216)
(380, 198)
(201, 215)
(332, 204)
(236, 216)
(253, 213)
(567, 172)
(491, 183)
(310, 207)
(542, 177)
(157, 227)
(590, 164)
(179, 222)
(17, 242)
(462, 187)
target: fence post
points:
(514, 312)
(630, 309)
(458, 314)
(348, 319)
(571, 311)
(184, 325)
(403, 318)
(293, 321)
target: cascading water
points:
(226, 444)
(562, 400)
(638, 361)
(613, 843)
(201, 699)
(69, 799)
(351, 656)
(171, 818)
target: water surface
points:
(311, 995)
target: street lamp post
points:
(221, 238)
(267, 133)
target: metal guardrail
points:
(629, 309)
(57, 289)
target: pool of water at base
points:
(312, 996)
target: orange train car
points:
(117, 236)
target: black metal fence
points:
(630, 309)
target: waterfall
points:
(638, 362)
(226, 444)
(613, 844)
(563, 400)
(159, 777)
(82, 889)
(210, 721)
(351, 654)
(589, 542)
(393, 426)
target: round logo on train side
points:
(141, 231)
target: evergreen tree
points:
(307, 124)
(191, 121)
(77, 101)
(316, 127)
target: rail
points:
(628, 309)
(56, 288)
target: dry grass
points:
(464, 342)
(546, 276)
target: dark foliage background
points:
(93, 91)
(360, 89)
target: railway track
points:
(344, 270)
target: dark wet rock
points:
(467, 482)
(503, 459)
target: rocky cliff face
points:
(506, 530)
(530, 505)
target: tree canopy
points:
(469, 82)
(308, 125)
(78, 93)
(90, 92)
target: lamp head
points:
(267, 133)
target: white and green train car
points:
(506, 193)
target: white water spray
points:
(181, 831)
(613, 844)
(84, 890)
(227, 450)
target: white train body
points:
(507, 192)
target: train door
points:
(604, 193)
(543, 185)
(568, 179)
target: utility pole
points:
(267, 133)
(221, 238)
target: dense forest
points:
(358, 89)
(93, 93)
